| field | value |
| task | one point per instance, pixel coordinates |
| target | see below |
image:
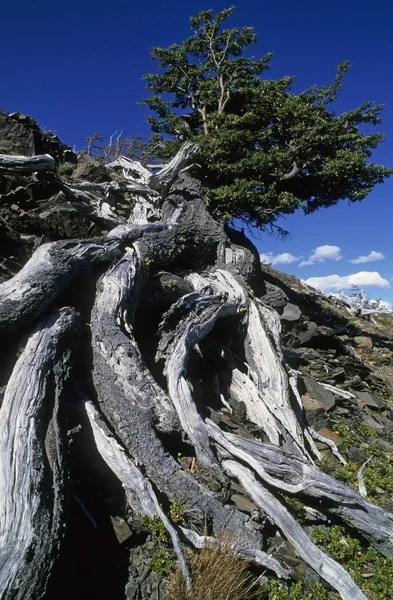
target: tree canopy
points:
(264, 150)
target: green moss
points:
(364, 430)
(295, 507)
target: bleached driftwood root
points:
(32, 469)
(164, 177)
(27, 164)
(194, 317)
(132, 403)
(92, 205)
(325, 566)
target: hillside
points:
(158, 386)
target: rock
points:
(327, 433)
(15, 138)
(382, 443)
(364, 342)
(319, 393)
(367, 399)
(21, 134)
(243, 503)
(91, 169)
(315, 411)
(132, 589)
(274, 297)
(357, 455)
(372, 423)
(121, 529)
(307, 335)
(291, 313)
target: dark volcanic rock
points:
(15, 138)
(319, 393)
(274, 297)
(21, 134)
(91, 169)
(291, 313)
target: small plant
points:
(371, 571)
(156, 527)
(177, 511)
(348, 438)
(65, 169)
(377, 476)
(162, 563)
(364, 430)
(216, 574)
(277, 590)
(295, 506)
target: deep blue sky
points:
(77, 67)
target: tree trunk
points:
(171, 331)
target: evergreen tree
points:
(264, 150)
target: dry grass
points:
(216, 574)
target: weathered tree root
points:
(32, 469)
(134, 413)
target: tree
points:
(264, 150)
(135, 147)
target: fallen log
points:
(27, 164)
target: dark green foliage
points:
(264, 151)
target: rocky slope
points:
(344, 368)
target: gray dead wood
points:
(89, 203)
(27, 164)
(165, 176)
(32, 470)
(295, 475)
(132, 479)
(132, 403)
(187, 322)
(27, 295)
(325, 566)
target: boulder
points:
(21, 134)
(319, 394)
(15, 138)
(372, 423)
(367, 399)
(243, 504)
(315, 412)
(291, 313)
(364, 342)
(274, 297)
(330, 435)
(91, 169)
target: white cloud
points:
(321, 254)
(337, 282)
(373, 255)
(285, 258)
